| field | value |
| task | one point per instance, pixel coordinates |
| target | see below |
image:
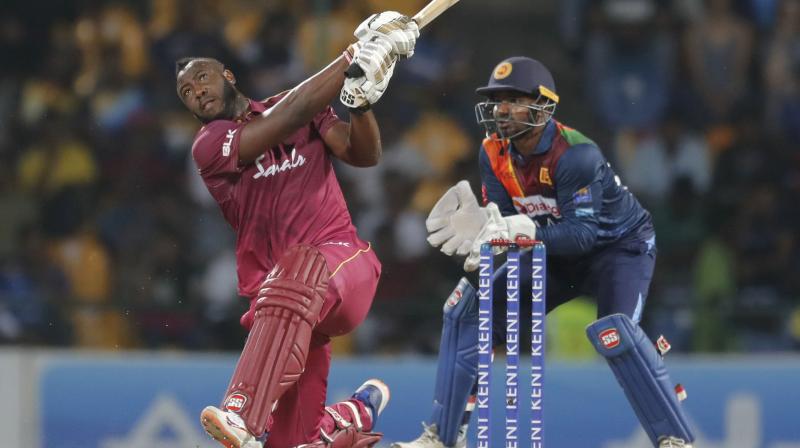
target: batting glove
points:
(401, 31)
(376, 61)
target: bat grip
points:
(354, 71)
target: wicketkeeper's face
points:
(513, 112)
(510, 108)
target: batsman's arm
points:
(293, 111)
(357, 143)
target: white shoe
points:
(375, 395)
(228, 429)
(673, 442)
(429, 439)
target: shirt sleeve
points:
(579, 195)
(216, 149)
(492, 189)
(324, 120)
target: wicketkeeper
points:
(546, 181)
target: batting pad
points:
(641, 373)
(457, 369)
(274, 355)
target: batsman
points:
(546, 181)
(300, 261)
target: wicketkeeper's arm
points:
(579, 196)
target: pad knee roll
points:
(287, 309)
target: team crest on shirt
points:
(544, 176)
(582, 196)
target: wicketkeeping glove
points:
(498, 227)
(455, 220)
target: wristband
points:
(349, 54)
(360, 110)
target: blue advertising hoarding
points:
(154, 401)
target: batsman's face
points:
(203, 87)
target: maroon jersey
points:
(289, 195)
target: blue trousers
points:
(617, 276)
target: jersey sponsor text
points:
(295, 161)
(536, 206)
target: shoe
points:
(375, 395)
(673, 442)
(429, 439)
(228, 429)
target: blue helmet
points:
(524, 76)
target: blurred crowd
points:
(108, 238)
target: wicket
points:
(538, 310)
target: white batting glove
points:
(376, 60)
(399, 30)
(498, 227)
(360, 93)
(455, 220)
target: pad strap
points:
(287, 309)
(345, 434)
(641, 373)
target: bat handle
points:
(354, 71)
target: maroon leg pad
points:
(287, 309)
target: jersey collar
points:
(256, 107)
(542, 147)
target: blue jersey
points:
(568, 188)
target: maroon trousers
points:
(300, 412)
